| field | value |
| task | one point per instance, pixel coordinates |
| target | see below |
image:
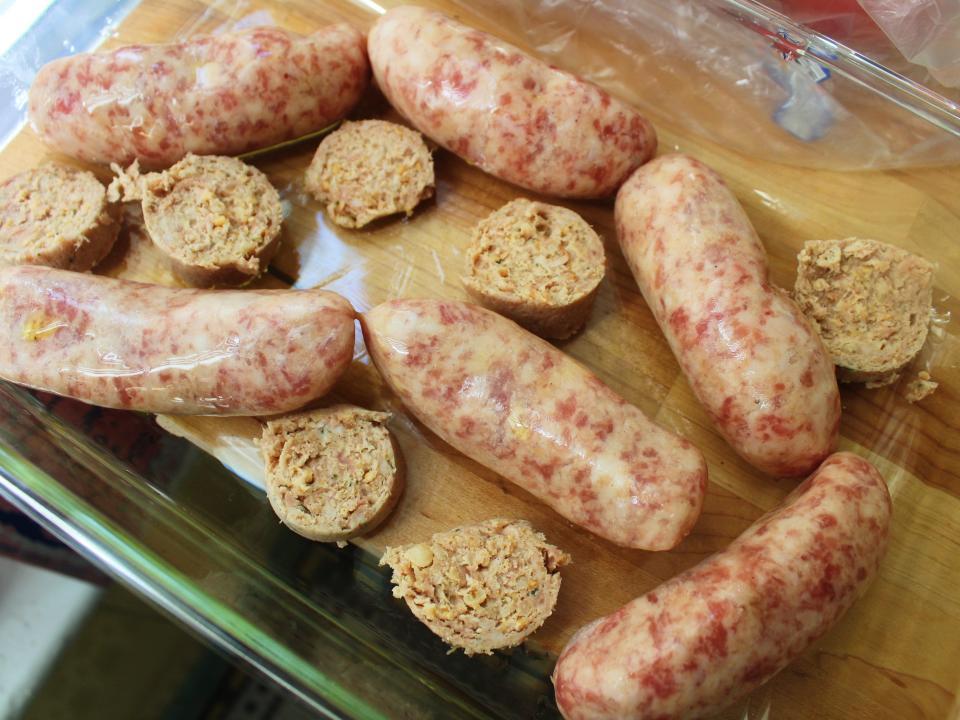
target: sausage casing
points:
(709, 636)
(516, 404)
(512, 115)
(130, 345)
(751, 357)
(210, 95)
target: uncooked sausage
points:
(519, 406)
(130, 345)
(508, 113)
(709, 636)
(210, 95)
(751, 357)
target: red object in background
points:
(842, 20)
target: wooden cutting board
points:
(897, 653)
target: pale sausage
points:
(750, 356)
(508, 113)
(519, 406)
(130, 345)
(709, 636)
(209, 95)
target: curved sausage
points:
(510, 114)
(210, 95)
(709, 636)
(130, 345)
(516, 404)
(751, 357)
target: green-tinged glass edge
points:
(137, 566)
(856, 67)
(98, 539)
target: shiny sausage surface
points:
(210, 95)
(130, 345)
(709, 636)
(510, 114)
(751, 357)
(516, 404)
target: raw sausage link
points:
(211, 95)
(750, 356)
(709, 636)
(510, 114)
(210, 352)
(516, 404)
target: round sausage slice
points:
(333, 473)
(538, 264)
(370, 169)
(480, 587)
(870, 303)
(56, 216)
(217, 218)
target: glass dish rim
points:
(851, 64)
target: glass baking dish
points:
(816, 140)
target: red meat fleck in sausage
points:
(709, 636)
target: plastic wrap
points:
(919, 39)
(222, 95)
(927, 32)
(728, 73)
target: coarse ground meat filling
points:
(217, 217)
(870, 303)
(538, 264)
(480, 587)
(57, 216)
(370, 169)
(332, 473)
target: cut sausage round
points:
(217, 218)
(332, 474)
(870, 303)
(370, 169)
(57, 216)
(538, 264)
(480, 587)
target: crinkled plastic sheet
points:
(927, 32)
(717, 69)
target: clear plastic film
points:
(927, 32)
(712, 76)
(736, 74)
(919, 39)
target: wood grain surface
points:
(897, 653)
